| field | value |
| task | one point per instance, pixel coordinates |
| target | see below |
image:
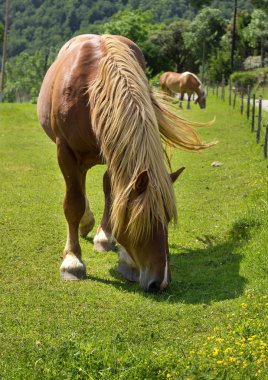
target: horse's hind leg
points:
(87, 222)
(72, 267)
(104, 240)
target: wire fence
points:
(249, 105)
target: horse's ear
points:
(141, 182)
(174, 176)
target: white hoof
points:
(103, 242)
(72, 268)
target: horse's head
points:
(147, 259)
(201, 99)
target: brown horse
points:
(96, 105)
(184, 83)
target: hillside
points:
(37, 24)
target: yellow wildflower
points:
(232, 360)
(215, 352)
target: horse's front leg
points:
(104, 240)
(72, 267)
(189, 100)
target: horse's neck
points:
(199, 90)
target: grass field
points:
(212, 322)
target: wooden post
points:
(234, 101)
(265, 142)
(242, 103)
(253, 113)
(258, 133)
(248, 103)
(230, 92)
(223, 88)
(217, 90)
(2, 78)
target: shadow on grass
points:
(201, 275)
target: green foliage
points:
(205, 32)
(262, 4)
(172, 54)
(24, 77)
(257, 28)
(210, 324)
(134, 25)
(227, 7)
(249, 78)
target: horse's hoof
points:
(68, 276)
(103, 246)
(129, 273)
(72, 268)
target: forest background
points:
(174, 35)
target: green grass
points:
(212, 321)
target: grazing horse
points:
(96, 105)
(184, 83)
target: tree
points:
(257, 31)
(24, 76)
(197, 4)
(1, 33)
(262, 4)
(204, 34)
(172, 53)
(134, 25)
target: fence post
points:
(258, 133)
(253, 113)
(248, 103)
(217, 90)
(265, 142)
(223, 88)
(242, 103)
(234, 101)
(230, 92)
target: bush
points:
(249, 78)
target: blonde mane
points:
(129, 124)
(193, 75)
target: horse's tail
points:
(176, 131)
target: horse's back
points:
(63, 102)
(180, 82)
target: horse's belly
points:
(174, 87)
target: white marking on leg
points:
(164, 283)
(103, 237)
(72, 263)
(125, 257)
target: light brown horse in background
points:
(96, 105)
(182, 83)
